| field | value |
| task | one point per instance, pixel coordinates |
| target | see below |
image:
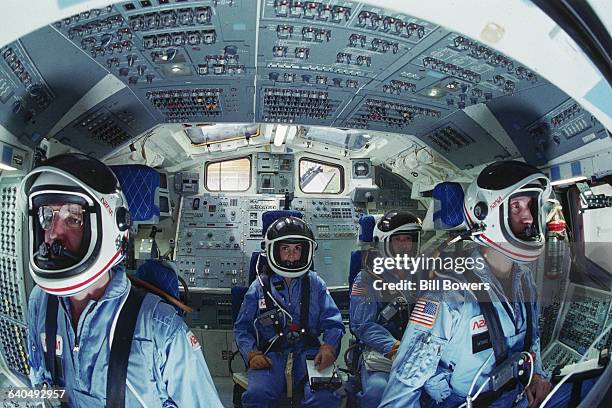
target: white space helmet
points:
(487, 209)
(394, 223)
(78, 222)
(289, 231)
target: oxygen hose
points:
(160, 293)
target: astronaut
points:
(465, 334)
(377, 318)
(78, 233)
(270, 329)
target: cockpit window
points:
(229, 175)
(321, 177)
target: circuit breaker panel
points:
(585, 314)
(13, 303)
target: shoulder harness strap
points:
(529, 331)
(116, 377)
(309, 339)
(305, 303)
(52, 361)
(498, 340)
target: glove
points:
(259, 361)
(393, 352)
(325, 357)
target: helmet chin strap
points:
(56, 249)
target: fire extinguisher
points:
(555, 244)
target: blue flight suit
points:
(166, 364)
(378, 335)
(439, 340)
(267, 385)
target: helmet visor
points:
(60, 230)
(292, 255)
(404, 243)
(523, 218)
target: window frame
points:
(340, 167)
(220, 186)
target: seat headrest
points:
(269, 217)
(366, 228)
(161, 274)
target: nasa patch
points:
(478, 324)
(480, 334)
(193, 341)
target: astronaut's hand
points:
(393, 352)
(259, 361)
(538, 390)
(325, 357)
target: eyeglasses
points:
(71, 215)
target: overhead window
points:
(229, 175)
(321, 177)
(205, 135)
(349, 139)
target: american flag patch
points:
(358, 290)
(424, 312)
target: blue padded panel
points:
(160, 274)
(269, 217)
(448, 205)
(139, 184)
(366, 228)
(354, 267)
(237, 295)
(555, 173)
(576, 169)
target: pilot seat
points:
(352, 355)
(237, 296)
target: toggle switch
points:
(279, 51)
(302, 53)
(340, 13)
(284, 31)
